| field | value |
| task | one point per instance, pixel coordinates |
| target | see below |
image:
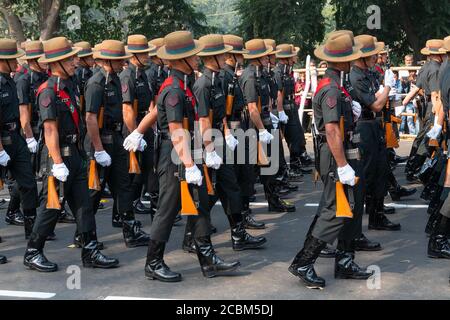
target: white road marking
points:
(26, 294)
(255, 204)
(391, 205)
(131, 298)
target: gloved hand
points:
(133, 141)
(265, 136)
(231, 142)
(275, 120)
(4, 158)
(102, 158)
(32, 145)
(347, 175)
(60, 172)
(389, 79)
(194, 175)
(213, 160)
(142, 145)
(356, 108)
(435, 132)
(283, 117)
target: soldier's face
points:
(272, 59)
(142, 58)
(371, 61)
(264, 61)
(117, 65)
(221, 60)
(89, 61)
(68, 65)
(194, 62)
(7, 69)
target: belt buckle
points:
(352, 154)
(65, 152)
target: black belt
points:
(10, 126)
(70, 139)
(367, 115)
(114, 126)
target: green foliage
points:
(220, 14)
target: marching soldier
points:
(335, 114)
(84, 71)
(60, 118)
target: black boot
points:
(382, 208)
(250, 223)
(3, 259)
(155, 267)
(298, 167)
(91, 255)
(401, 192)
(241, 240)
(378, 221)
(188, 243)
(133, 235)
(327, 253)
(78, 242)
(278, 205)
(65, 216)
(34, 257)
(210, 263)
(306, 159)
(433, 222)
(178, 218)
(438, 247)
(364, 244)
(345, 266)
(140, 208)
(14, 217)
(303, 264)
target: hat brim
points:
(274, 52)
(86, 54)
(153, 53)
(20, 53)
(74, 51)
(25, 57)
(379, 46)
(286, 56)
(248, 56)
(427, 52)
(149, 49)
(226, 49)
(321, 55)
(98, 55)
(163, 54)
(243, 51)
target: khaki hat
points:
(339, 48)
(257, 48)
(236, 42)
(341, 32)
(286, 51)
(179, 45)
(33, 50)
(86, 49)
(213, 45)
(434, 46)
(112, 50)
(96, 47)
(157, 43)
(447, 44)
(369, 45)
(273, 44)
(57, 49)
(9, 50)
(138, 43)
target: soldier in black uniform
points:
(60, 118)
(339, 162)
(105, 119)
(83, 72)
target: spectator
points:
(323, 65)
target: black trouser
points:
(116, 176)
(169, 204)
(293, 133)
(326, 226)
(76, 193)
(21, 169)
(268, 180)
(227, 190)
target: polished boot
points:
(400, 159)
(178, 218)
(155, 267)
(306, 159)
(28, 225)
(116, 217)
(133, 235)
(106, 194)
(241, 240)
(278, 205)
(303, 264)
(211, 264)
(298, 167)
(140, 208)
(3, 259)
(364, 244)
(14, 217)
(65, 216)
(188, 243)
(439, 247)
(34, 257)
(91, 255)
(412, 167)
(433, 222)
(327, 253)
(401, 192)
(250, 223)
(345, 267)
(78, 242)
(378, 220)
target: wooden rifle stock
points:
(101, 115)
(209, 185)
(229, 104)
(391, 139)
(259, 105)
(134, 164)
(262, 157)
(82, 102)
(343, 209)
(135, 107)
(52, 194)
(93, 181)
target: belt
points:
(114, 126)
(66, 151)
(107, 138)
(10, 126)
(353, 154)
(71, 139)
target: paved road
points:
(406, 272)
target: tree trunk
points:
(408, 26)
(14, 23)
(49, 17)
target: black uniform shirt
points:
(83, 74)
(9, 103)
(136, 88)
(445, 89)
(283, 81)
(429, 78)
(27, 86)
(252, 89)
(156, 75)
(363, 88)
(442, 71)
(109, 96)
(226, 75)
(210, 95)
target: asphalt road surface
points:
(405, 271)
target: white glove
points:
(194, 175)
(356, 108)
(435, 132)
(347, 175)
(4, 158)
(102, 158)
(60, 172)
(213, 160)
(32, 145)
(231, 142)
(389, 79)
(265, 136)
(133, 141)
(142, 145)
(283, 117)
(275, 120)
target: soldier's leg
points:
(13, 214)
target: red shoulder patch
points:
(172, 100)
(331, 102)
(45, 101)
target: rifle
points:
(262, 157)
(134, 163)
(81, 89)
(258, 82)
(391, 139)
(231, 91)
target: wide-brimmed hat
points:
(57, 49)
(33, 50)
(256, 48)
(236, 42)
(273, 44)
(179, 45)
(112, 50)
(286, 51)
(213, 45)
(341, 32)
(339, 48)
(369, 45)
(9, 50)
(86, 49)
(447, 44)
(434, 46)
(138, 43)
(156, 43)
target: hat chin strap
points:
(64, 69)
(9, 66)
(217, 62)
(190, 67)
(139, 60)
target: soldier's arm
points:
(148, 121)
(203, 104)
(94, 100)
(411, 95)
(129, 118)
(251, 96)
(52, 140)
(334, 140)
(255, 116)
(25, 119)
(93, 131)
(280, 96)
